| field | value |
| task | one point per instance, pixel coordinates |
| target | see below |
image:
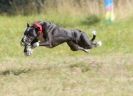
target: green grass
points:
(105, 71)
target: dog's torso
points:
(57, 35)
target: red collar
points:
(38, 26)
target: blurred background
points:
(105, 71)
(85, 7)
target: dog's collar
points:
(39, 27)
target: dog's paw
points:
(28, 52)
(35, 45)
(99, 43)
(94, 32)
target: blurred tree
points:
(21, 6)
(26, 7)
(5, 6)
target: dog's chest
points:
(41, 38)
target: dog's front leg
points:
(37, 44)
(46, 44)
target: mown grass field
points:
(105, 71)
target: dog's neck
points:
(41, 37)
(40, 31)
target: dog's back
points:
(58, 32)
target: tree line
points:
(26, 7)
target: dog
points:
(44, 33)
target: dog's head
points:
(30, 35)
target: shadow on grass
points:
(87, 66)
(14, 72)
(83, 67)
(22, 71)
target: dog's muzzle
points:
(25, 41)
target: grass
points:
(105, 71)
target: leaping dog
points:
(50, 35)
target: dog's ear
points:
(28, 25)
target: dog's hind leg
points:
(76, 47)
(94, 35)
(88, 44)
(85, 42)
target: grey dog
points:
(50, 35)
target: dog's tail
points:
(94, 35)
